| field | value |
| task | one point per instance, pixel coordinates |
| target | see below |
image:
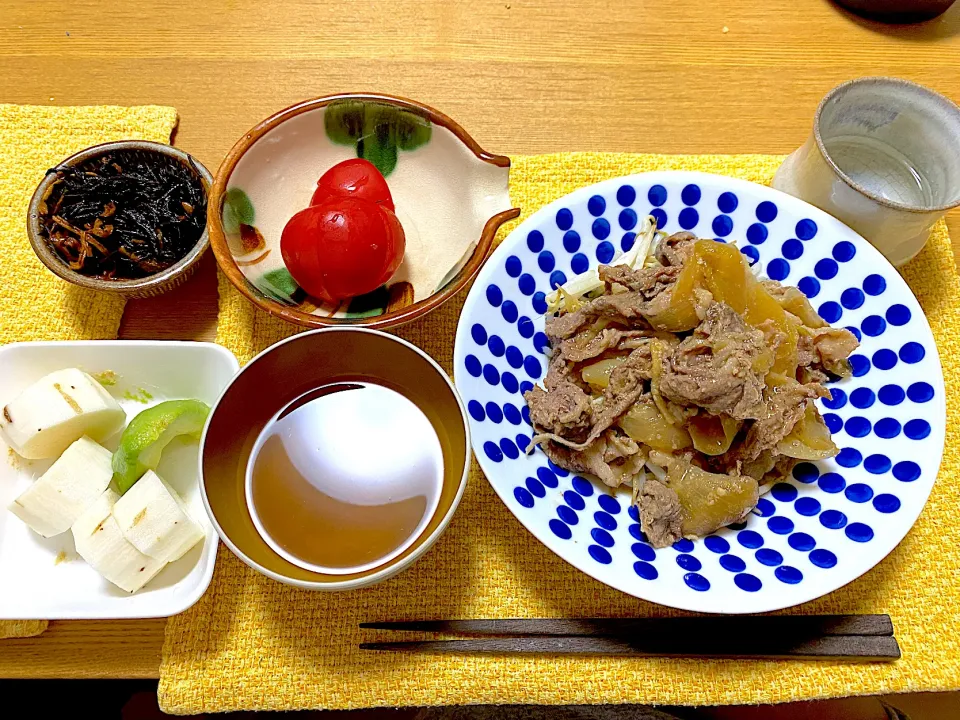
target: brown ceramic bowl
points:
(281, 376)
(450, 195)
(148, 286)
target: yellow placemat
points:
(252, 643)
(34, 303)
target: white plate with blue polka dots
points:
(831, 521)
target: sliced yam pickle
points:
(644, 423)
(810, 438)
(710, 501)
(712, 434)
(598, 373)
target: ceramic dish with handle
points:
(282, 381)
(450, 197)
(830, 521)
(151, 285)
(43, 578)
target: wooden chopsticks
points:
(860, 638)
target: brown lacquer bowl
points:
(450, 195)
(294, 369)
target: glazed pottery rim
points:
(228, 263)
(391, 567)
(123, 287)
(931, 94)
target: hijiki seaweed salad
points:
(681, 373)
(124, 215)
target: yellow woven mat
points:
(252, 643)
(34, 303)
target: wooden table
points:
(522, 76)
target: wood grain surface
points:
(521, 76)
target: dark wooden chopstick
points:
(592, 627)
(863, 638)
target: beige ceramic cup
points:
(883, 157)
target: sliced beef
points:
(649, 282)
(783, 409)
(834, 346)
(674, 250)
(608, 457)
(660, 514)
(714, 368)
(586, 346)
(564, 410)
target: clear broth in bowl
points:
(345, 477)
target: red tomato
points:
(342, 248)
(356, 178)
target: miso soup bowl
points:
(290, 369)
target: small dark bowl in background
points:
(897, 11)
(149, 286)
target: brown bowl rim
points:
(227, 262)
(391, 567)
(119, 287)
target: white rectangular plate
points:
(33, 584)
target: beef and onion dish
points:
(682, 374)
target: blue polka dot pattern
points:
(826, 269)
(627, 219)
(596, 205)
(690, 195)
(849, 457)
(727, 202)
(920, 392)
(715, 543)
(912, 353)
(807, 506)
(806, 229)
(560, 529)
(605, 252)
(722, 225)
(891, 395)
(873, 325)
(757, 234)
(906, 471)
(688, 218)
(696, 582)
(859, 532)
(844, 251)
(858, 493)
(778, 269)
(792, 249)
(600, 228)
(732, 563)
(766, 212)
(874, 285)
(823, 558)
(798, 536)
(809, 286)
(748, 582)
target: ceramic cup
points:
(882, 158)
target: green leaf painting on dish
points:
(369, 305)
(376, 130)
(279, 285)
(237, 210)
